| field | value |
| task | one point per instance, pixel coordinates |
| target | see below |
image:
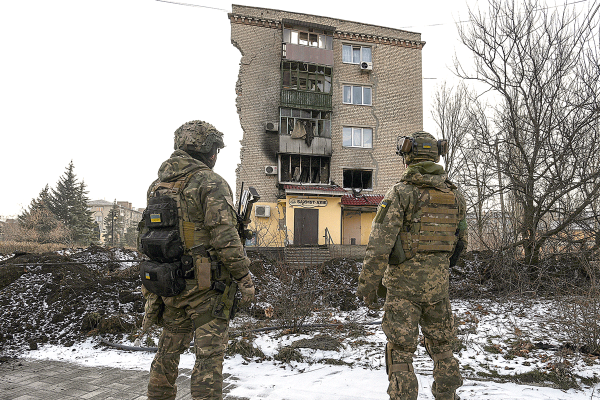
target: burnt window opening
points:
(317, 122)
(297, 168)
(306, 76)
(358, 179)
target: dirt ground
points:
(65, 297)
(53, 298)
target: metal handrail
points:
(328, 237)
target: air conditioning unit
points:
(271, 170)
(366, 66)
(272, 127)
(262, 211)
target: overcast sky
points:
(105, 83)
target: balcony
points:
(309, 54)
(306, 100)
(320, 146)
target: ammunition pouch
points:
(163, 279)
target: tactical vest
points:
(168, 242)
(431, 227)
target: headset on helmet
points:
(422, 146)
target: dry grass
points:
(11, 246)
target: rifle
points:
(247, 198)
(226, 306)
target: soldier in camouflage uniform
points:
(414, 234)
(208, 204)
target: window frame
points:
(362, 57)
(353, 130)
(352, 91)
(310, 38)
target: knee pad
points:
(390, 366)
(431, 346)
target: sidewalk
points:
(50, 380)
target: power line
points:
(193, 5)
(467, 21)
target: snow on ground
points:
(497, 340)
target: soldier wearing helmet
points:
(417, 233)
(210, 257)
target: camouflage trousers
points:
(401, 326)
(210, 343)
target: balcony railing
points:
(306, 100)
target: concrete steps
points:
(302, 256)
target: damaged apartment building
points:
(321, 103)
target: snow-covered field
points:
(498, 341)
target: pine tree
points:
(113, 223)
(69, 203)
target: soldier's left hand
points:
(368, 294)
(146, 323)
(246, 287)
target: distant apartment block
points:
(130, 217)
(321, 102)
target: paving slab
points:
(22, 379)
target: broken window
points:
(358, 179)
(306, 76)
(318, 122)
(304, 169)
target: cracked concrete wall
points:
(396, 81)
(258, 91)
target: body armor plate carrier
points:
(433, 226)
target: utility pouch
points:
(162, 245)
(224, 306)
(202, 271)
(163, 279)
(162, 242)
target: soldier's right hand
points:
(246, 287)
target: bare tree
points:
(450, 113)
(541, 66)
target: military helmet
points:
(198, 136)
(422, 146)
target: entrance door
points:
(351, 223)
(306, 226)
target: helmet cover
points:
(424, 148)
(198, 136)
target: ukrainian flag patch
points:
(155, 218)
(382, 211)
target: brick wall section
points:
(396, 81)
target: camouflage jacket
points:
(423, 277)
(209, 202)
